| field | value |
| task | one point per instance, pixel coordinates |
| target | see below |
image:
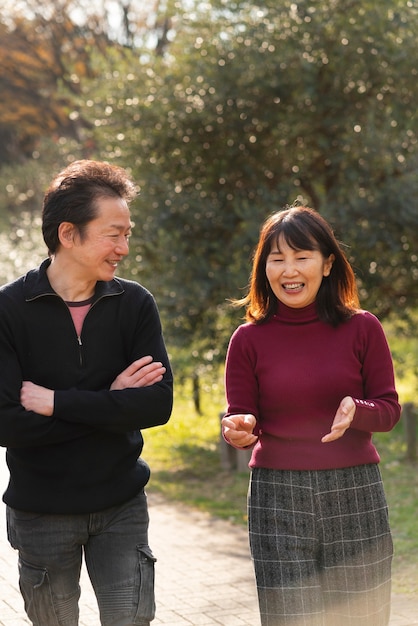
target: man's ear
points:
(66, 231)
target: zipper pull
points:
(80, 351)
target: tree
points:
(226, 111)
(45, 55)
(253, 106)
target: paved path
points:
(203, 573)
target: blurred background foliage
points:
(224, 111)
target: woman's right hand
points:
(238, 429)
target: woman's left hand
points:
(342, 420)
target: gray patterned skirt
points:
(321, 546)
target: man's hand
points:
(238, 429)
(36, 398)
(342, 420)
(141, 373)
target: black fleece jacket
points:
(85, 457)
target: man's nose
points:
(122, 247)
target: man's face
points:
(105, 241)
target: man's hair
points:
(72, 196)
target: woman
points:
(309, 378)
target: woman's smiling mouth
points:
(293, 286)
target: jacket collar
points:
(36, 285)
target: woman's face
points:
(296, 275)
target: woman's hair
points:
(303, 229)
(72, 196)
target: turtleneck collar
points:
(291, 315)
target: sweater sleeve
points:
(241, 385)
(18, 427)
(126, 409)
(379, 409)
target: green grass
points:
(185, 460)
(401, 486)
(184, 456)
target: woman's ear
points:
(66, 231)
(328, 265)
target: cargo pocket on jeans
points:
(36, 592)
(145, 612)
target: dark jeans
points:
(118, 559)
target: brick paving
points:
(203, 573)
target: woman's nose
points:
(289, 268)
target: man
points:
(83, 367)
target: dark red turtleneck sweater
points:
(292, 373)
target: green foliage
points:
(402, 340)
(21, 243)
(252, 106)
(20, 233)
(241, 108)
